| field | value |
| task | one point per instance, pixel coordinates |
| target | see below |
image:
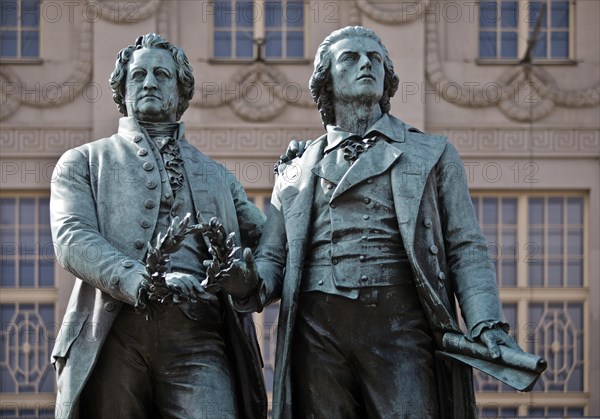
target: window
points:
(28, 298)
(506, 25)
(276, 27)
(536, 242)
(262, 200)
(19, 28)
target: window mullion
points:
(19, 28)
(522, 242)
(571, 29)
(17, 241)
(549, 29)
(36, 243)
(284, 29)
(565, 244)
(498, 29)
(523, 26)
(259, 19)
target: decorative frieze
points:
(271, 141)
(41, 142)
(547, 142)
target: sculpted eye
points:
(376, 58)
(349, 57)
(162, 73)
(138, 75)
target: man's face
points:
(151, 89)
(357, 69)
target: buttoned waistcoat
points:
(104, 207)
(444, 244)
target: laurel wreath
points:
(221, 247)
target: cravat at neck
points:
(160, 129)
(162, 134)
(354, 146)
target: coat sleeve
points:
(270, 258)
(250, 219)
(79, 246)
(272, 252)
(471, 270)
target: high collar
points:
(129, 128)
(391, 128)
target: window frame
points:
(523, 29)
(19, 59)
(260, 25)
(25, 402)
(523, 295)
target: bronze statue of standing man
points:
(370, 239)
(110, 198)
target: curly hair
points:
(320, 83)
(185, 78)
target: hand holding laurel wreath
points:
(173, 287)
(238, 279)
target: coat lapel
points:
(372, 163)
(328, 169)
(409, 176)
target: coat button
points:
(149, 203)
(320, 282)
(433, 249)
(148, 166)
(110, 306)
(334, 261)
(137, 138)
(365, 217)
(127, 264)
(367, 200)
(139, 244)
(145, 223)
(150, 184)
(362, 258)
(427, 222)
(142, 152)
(332, 205)
(363, 237)
(364, 278)
(369, 181)
(441, 276)
(329, 186)
(114, 280)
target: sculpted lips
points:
(365, 76)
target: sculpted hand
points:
(497, 336)
(187, 287)
(295, 149)
(240, 279)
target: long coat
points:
(445, 247)
(104, 207)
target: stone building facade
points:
(525, 117)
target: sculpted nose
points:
(365, 62)
(150, 82)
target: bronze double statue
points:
(371, 238)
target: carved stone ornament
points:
(256, 93)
